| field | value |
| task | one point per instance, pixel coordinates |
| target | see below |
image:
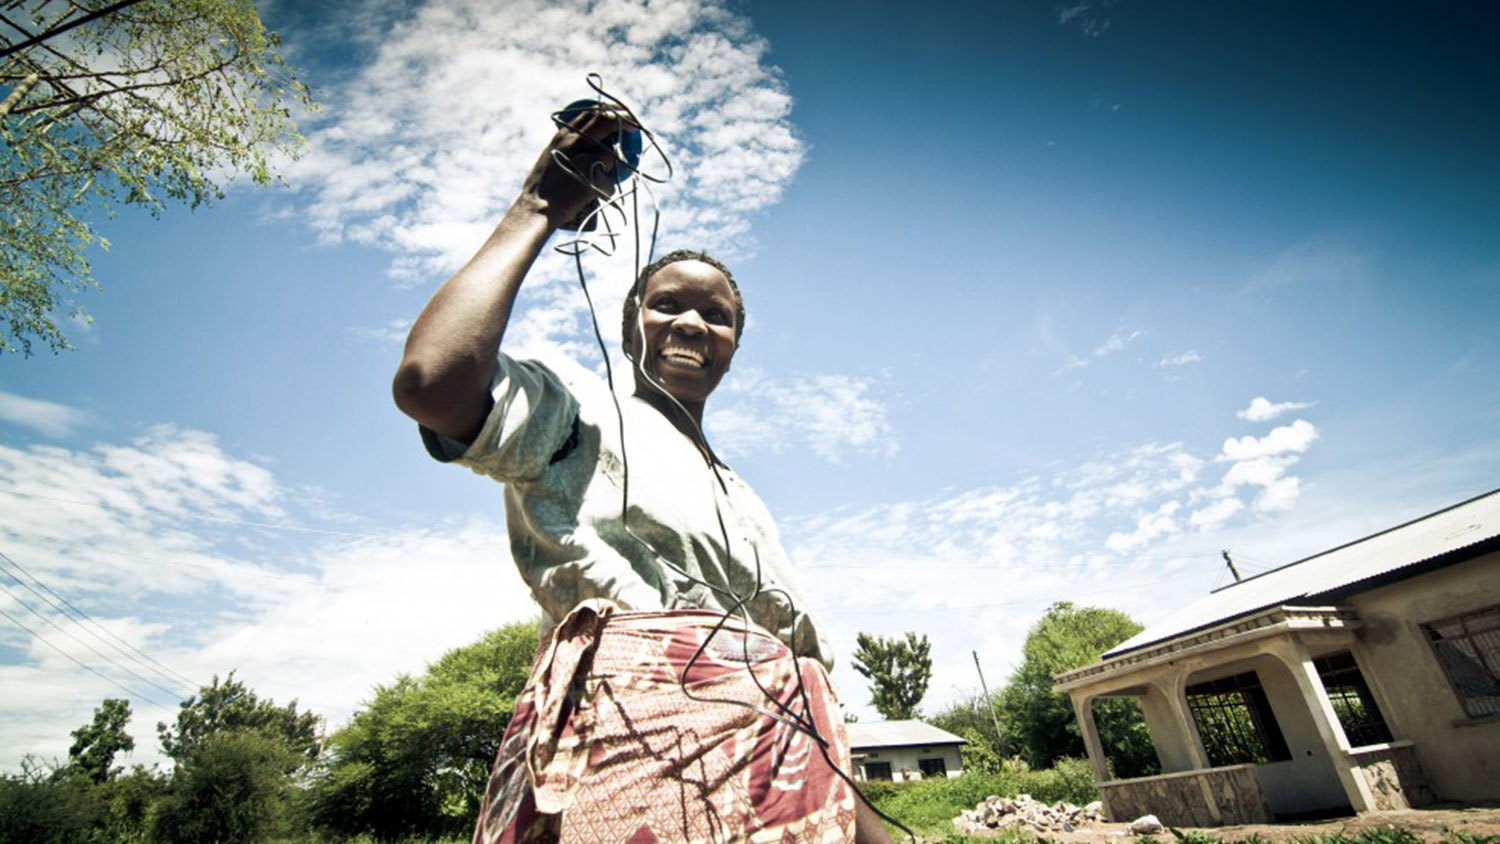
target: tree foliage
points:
(973, 719)
(1064, 638)
(96, 743)
(898, 670)
(164, 100)
(231, 707)
(415, 761)
(230, 788)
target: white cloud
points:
(1116, 342)
(49, 419)
(1321, 259)
(1179, 359)
(206, 562)
(1215, 514)
(832, 415)
(1262, 409)
(425, 170)
(1090, 16)
(1295, 437)
(393, 333)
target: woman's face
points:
(687, 318)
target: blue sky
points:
(1047, 301)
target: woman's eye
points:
(666, 304)
(717, 317)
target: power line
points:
(82, 665)
(91, 648)
(160, 668)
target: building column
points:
(1174, 690)
(1083, 709)
(1294, 655)
(1167, 732)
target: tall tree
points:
(232, 788)
(415, 761)
(162, 100)
(898, 670)
(1064, 638)
(96, 743)
(231, 707)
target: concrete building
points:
(903, 750)
(1363, 678)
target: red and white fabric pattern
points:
(605, 746)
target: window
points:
(1352, 702)
(1468, 648)
(1235, 721)
(932, 768)
(877, 770)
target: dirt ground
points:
(1428, 824)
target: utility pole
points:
(988, 700)
(1232, 570)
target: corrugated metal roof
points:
(1457, 527)
(897, 734)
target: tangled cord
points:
(607, 210)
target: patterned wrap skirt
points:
(622, 736)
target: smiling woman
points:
(680, 692)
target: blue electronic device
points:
(626, 142)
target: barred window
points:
(1352, 702)
(1468, 648)
(878, 771)
(932, 768)
(1235, 721)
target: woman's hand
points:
(443, 381)
(578, 166)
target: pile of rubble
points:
(1022, 812)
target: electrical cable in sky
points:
(40, 638)
(130, 651)
(91, 648)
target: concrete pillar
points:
(1174, 689)
(1290, 651)
(1083, 708)
(1166, 731)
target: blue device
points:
(626, 142)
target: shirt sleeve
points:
(533, 417)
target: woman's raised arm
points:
(443, 381)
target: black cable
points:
(800, 723)
(123, 646)
(85, 666)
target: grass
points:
(928, 807)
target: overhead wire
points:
(39, 637)
(126, 649)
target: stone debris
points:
(1146, 825)
(1022, 812)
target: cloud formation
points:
(421, 151)
(1179, 359)
(49, 419)
(1261, 409)
(207, 563)
(832, 415)
(1295, 437)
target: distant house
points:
(903, 750)
(1366, 677)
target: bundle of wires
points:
(598, 229)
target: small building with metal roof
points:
(903, 750)
(1365, 677)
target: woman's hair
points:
(632, 299)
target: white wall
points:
(1460, 756)
(905, 761)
